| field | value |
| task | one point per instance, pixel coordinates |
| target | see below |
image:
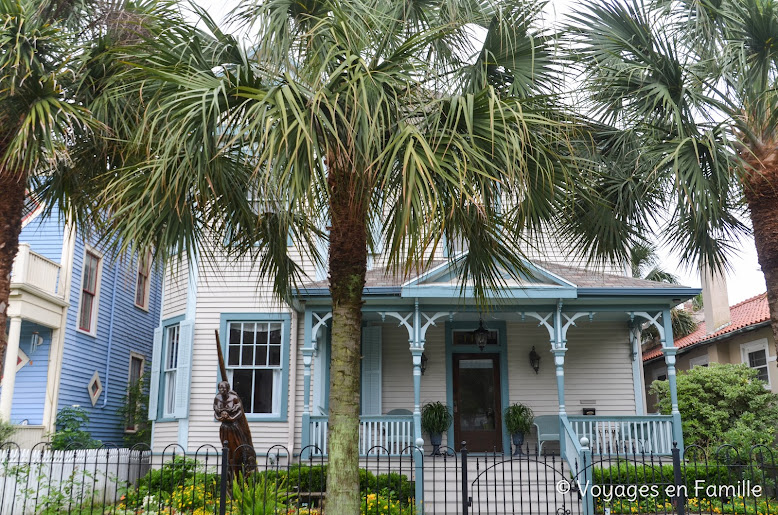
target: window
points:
(87, 313)
(467, 338)
(142, 284)
(169, 369)
(699, 361)
(755, 355)
(134, 392)
(254, 356)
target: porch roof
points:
(540, 280)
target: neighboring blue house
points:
(81, 326)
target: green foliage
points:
(518, 418)
(134, 411)
(7, 430)
(683, 322)
(259, 495)
(169, 479)
(69, 433)
(436, 417)
(722, 403)
(71, 494)
(314, 479)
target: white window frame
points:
(167, 372)
(133, 356)
(92, 331)
(146, 260)
(278, 372)
(699, 361)
(754, 346)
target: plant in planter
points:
(518, 420)
(435, 419)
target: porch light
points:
(424, 360)
(481, 335)
(534, 359)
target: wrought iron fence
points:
(110, 480)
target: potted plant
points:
(518, 420)
(435, 419)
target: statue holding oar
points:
(234, 430)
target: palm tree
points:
(686, 92)
(644, 263)
(50, 65)
(349, 115)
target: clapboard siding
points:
(83, 354)
(176, 281)
(45, 236)
(598, 367)
(30, 385)
(165, 434)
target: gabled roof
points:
(751, 312)
(540, 280)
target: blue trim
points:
(168, 322)
(286, 320)
(502, 350)
(683, 293)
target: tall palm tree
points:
(688, 89)
(350, 115)
(50, 65)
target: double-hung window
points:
(142, 284)
(254, 364)
(755, 355)
(169, 370)
(134, 391)
(87, 313)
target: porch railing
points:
(651, 434)
(393, 432)
(35, 270)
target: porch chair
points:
(547, 427)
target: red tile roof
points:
(743, 314)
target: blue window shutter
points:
(184, 368)
(156, 363)
(371, 370)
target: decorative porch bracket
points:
(665, 329)
(310, 349)
(417, 334)
(557, 335)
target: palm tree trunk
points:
(11, 208)
(761, 192)
(348, 264)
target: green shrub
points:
(7, 430)
(259, 495)
(169, 479)
(69, 433)
(722, 403)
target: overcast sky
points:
(744, 281)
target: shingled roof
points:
(750, 312)
(381, 278)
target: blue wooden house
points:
(80, 330)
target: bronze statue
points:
(234, 431)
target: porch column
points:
(9, 371)
(669, 350)
(417, 349)
(307, 351)
(559, 362)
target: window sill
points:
(93, 334)
(142, 308)
(266, 418)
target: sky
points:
(744, 279)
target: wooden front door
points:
(477, 403)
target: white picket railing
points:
(35, 270)
(392, 432)
(31, 477)
(651, 434)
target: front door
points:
(477, 403)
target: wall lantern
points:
(424, 360)
(534, 360)
(481, 335)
